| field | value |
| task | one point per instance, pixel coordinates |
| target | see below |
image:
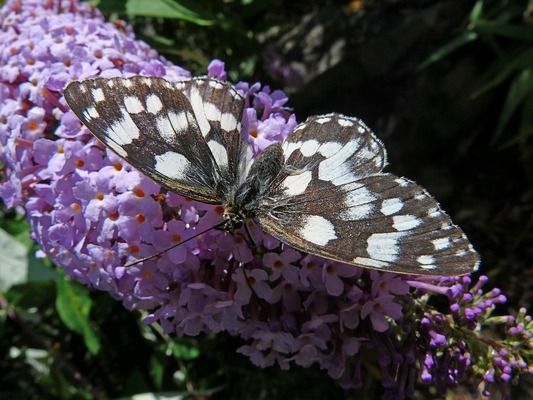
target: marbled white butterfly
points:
(322, 190)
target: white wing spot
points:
(405, 222)
(358, 203)
(309, 148)
(335, 168)
(198, 108)
(426, 259)
(322, 120)
(402, 182)
(172, 165)
(219, 153)
(245, 163)
(289, 147)
(345, 122)
(297, 184)
(391, 206)
(368, 262)
(299, 127)
(361, 129)
(147, 81)
(153, 104)
(329, 149)
(127, 83)
(98, 94)
(420, 196)
(215, 84)
(123, 131)
(172, 124)
(228, 122)
(212, 112)
(384, 246)
(111, 83)
(180, 121)
(442, 243)
(165, 129)
(317, 230)
(90, 113)
(434, 212)
(133, 105)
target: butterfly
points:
(322, 190)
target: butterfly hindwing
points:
(150, 123)
(340, 205)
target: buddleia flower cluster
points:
(93, 214)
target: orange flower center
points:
(32, 125)
(138, 192)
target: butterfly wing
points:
(331, 199)
(218, 109)
(159, 129)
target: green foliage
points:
(73, 306)
(194, 32)
(507, 30)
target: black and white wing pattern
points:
(182, 134)
(333, 200)
(218, 109)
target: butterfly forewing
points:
(151, 124)
(339, 205)
(218, 109)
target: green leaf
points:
(185, 351)
(521, 87)
(505, 69)
(157, 370)
(73, 305)
(518, 32)
(13, 261)
(451, 46)
(169, 9)
(525, 131)
(475, 14)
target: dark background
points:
(448, 87)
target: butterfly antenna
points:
(140, 260)
(254, 245)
